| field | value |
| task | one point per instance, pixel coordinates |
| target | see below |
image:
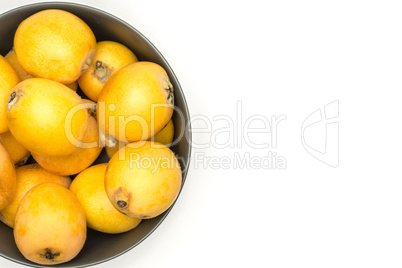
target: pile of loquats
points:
(126, 108)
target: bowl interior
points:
(101, 247)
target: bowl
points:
(100, 247)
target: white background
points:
(281, 58)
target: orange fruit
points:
(45, 117)
(8, 79)
(50, 225)
(73, 85)
(80, 159)
(165, 136)
(109, 57)
(54, 44)
(27, 177)
(145, 181)
(89, 187)
(8, 179)
(111, 150)
(136, 102)
(11, 57)
(19, 154)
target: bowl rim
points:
(185, 111)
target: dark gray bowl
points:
(101, 247)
